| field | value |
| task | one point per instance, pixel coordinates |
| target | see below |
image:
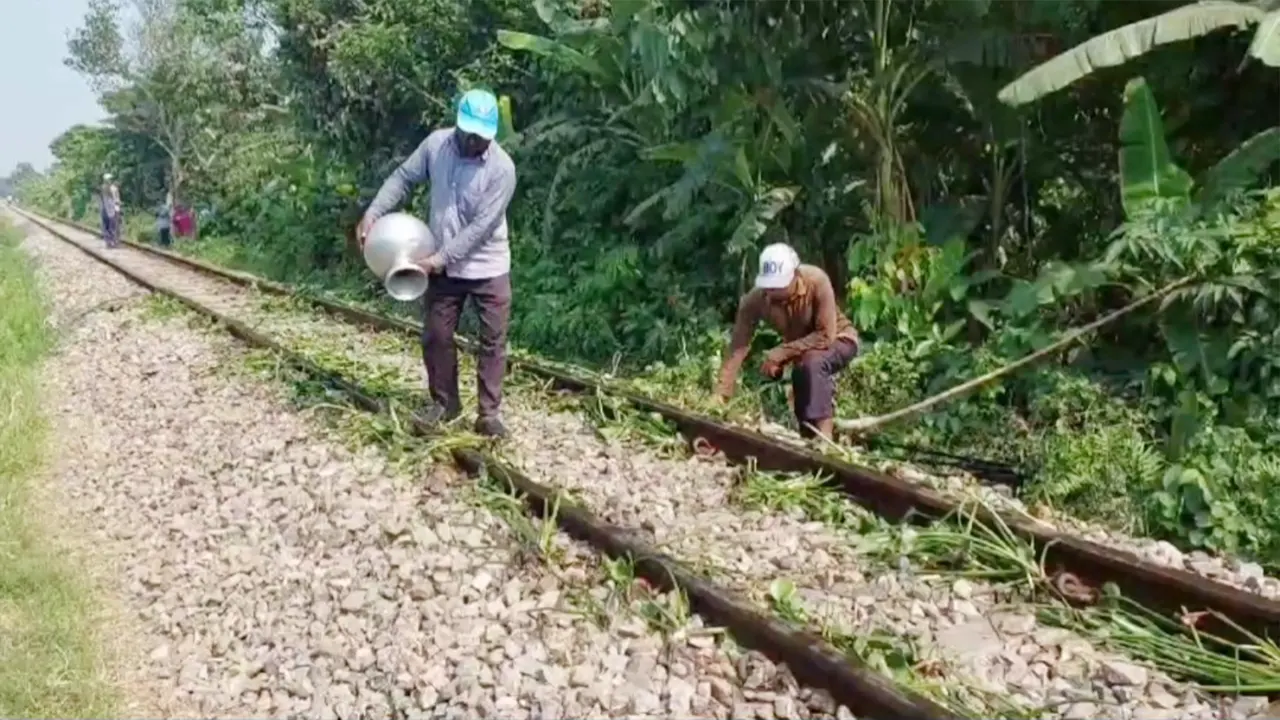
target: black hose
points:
(989, 470)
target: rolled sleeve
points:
(412, 172)
(744, 326)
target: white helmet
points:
(778, 263)
(106, 176)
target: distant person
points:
(111, 211)
(472, 182)
(102, 212)
(819, 341)
(164, 221)
(183, 220)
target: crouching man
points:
(819, 341)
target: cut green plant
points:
(896, 658)
(615, 419)
(1181, 649)
(810, 495)
(963, 545)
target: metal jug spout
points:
(394, 246)
(406, 282)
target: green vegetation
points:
(660, 143)
(48, 654)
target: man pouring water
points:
(472, 181)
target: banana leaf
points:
(755, 222)
(1240, 168)
(1266, 40)
(1125, 43)
(1147, 170)
(546, 47)
(506, 124)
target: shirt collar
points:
(484, 156)
(799, 291)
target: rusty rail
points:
(1170, 591)
(811, 659)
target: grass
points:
(48, 651)
(961, 545)
(897, 658)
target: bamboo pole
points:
(867, 424)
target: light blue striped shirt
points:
(469, 199)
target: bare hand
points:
(432, 264)
(774, 360)
(770, 369)
(362, 230)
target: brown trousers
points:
(813, 380)
(444, 302)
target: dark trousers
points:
(165, 237)
(813, 380)
(111, 230)
(444, 302)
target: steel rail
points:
(1171, 591)
(999, 473)
(811, 659)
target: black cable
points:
(990, 470)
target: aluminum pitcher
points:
(392, 249)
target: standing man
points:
(164, 220)
(102, 208)
(110, 199)
(819, 341)
(472, 181)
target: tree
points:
(22, 174)
(180, 77)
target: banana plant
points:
(651, 62)
(601, 51)
(1123, 44)
(1228, 278)
(1148, 172)
(736, 156)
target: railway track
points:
(891, 498)
(1170, 589)
(808, 657)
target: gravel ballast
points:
(270, 571)
(1247, 576)
(688, 507)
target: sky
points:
(39, 96)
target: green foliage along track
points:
(661, 143)
(48, 652)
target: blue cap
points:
(478, 114)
